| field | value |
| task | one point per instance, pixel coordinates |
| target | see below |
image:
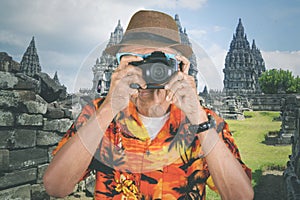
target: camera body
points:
(157, 69)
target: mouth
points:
(145, 92)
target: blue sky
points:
(69, 34)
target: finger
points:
(127, 71)
(126, 59)
(178, 76)
(185, 63)
(176, 88)
(191, 82)
(134, 79)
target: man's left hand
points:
(182, 92)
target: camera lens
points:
(159, 72)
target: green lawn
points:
(249, 135)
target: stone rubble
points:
(32, 121)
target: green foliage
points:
(279, 81)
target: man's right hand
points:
(120, 91)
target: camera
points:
(157, 69)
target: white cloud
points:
(8, 37)
(171, 4)
(283, 59)
(217, 28)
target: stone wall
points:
(292, 173)
(29, 130)
(267, 102)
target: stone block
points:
(17, 81)
(38, 192)
(54, 113)
(27, 157)
(36, 107)
(16, 193)
(6, 118)
(13, 98)
(90, 184)
(41, 171)
(17, 138)
(27, 83)
(50, 150)
(25, 119)
(4, 160)
(7, 80)
(60, 125)
(18, 177)
(47, 138)
(68, 113)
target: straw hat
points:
(152, 29)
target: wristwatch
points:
(198, 128)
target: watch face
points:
(200, 127)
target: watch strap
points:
(198, 128)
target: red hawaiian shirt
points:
(129, 165)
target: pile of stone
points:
(289, 110)
(292, 173)
(35, 113)
(30, 128)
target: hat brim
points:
(183, 49)
(151, 37)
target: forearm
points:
(227, 173)
(73, 159)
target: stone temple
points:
(243, 65)
(106, 64)
(30, 64)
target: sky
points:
(71, 34)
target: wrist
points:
(203, 126)
(208, 140)
(198, 117)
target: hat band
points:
(138, 36)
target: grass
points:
(249, 135)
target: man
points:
(150, 141)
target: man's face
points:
(152, 99)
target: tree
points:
(279, 81)
(297, 83)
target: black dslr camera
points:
(157, 70)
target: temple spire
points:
(240, 29)
(178, 23)
(55, 78)
(253, 45)
(116, 36)
(30, 64)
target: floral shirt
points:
(129, 165)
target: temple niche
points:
(243, 65)
(106, 64)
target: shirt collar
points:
(176, 115)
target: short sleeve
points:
(81, 120)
